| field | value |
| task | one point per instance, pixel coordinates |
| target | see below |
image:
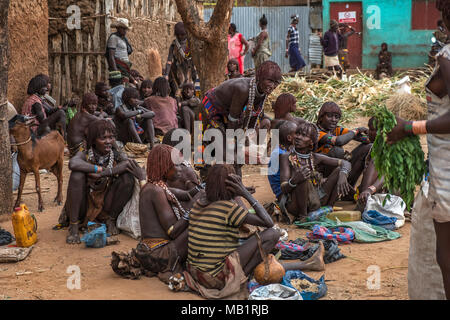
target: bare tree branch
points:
(191, 19)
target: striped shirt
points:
(213, 234)
(293, 36)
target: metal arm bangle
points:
(291, 185)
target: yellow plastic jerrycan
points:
(25, 226)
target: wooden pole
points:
(6, 197)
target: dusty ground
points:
(51, 256)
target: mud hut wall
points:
(152, 32)
(27, 27)
(76, 56)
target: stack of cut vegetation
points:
(407, 106)
(360, 95)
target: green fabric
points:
(70, 113)
(361, 235)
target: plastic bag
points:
(317, 288)
(394, 207)
(15, 172)
(128, 219)
(275, 291)
(95, 238)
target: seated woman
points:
(287, 131)
(133, 122)
(370, 183)
(217, 265)
(100, 183)
(233, 69)
(283, 106)
(47, 117)
(145, 90)
(303, 189)
(384, 66)
(189, 107)
(332, 138)
(163, 219)
(164, 107)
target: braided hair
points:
(159, 162)
(309, 129)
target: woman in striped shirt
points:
(292, 50)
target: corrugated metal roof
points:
(279, 19)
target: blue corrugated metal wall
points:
(279, 19)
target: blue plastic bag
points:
(95, 238)
(306, 295)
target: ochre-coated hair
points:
(266, 69)
(216, 188)
(159, 162)
(89, 98)
(282, 105)
(309, 129)
(97, 129)
(328, 107)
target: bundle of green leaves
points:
(402, 164)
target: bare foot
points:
(111, 227)
(73, 237)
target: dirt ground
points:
(51, 256)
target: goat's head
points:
(19, 126)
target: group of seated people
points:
(311, 168)
(140, 112)
(190, 228)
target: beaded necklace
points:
(249, 112)
(177, 208)
(294, 159)
(101, 160)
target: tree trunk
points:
(208, 41)
(5, 148)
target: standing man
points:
(345, 31)
(292, 50)
(179, 67)
(330, 44)
(118, 50)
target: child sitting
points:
(332, 138)
(370, 183)
(283, 106)
(188, 107)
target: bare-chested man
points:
(76, 133)
(134, 122)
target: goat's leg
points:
(37, 178)
(23, 176)
(57, 171)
